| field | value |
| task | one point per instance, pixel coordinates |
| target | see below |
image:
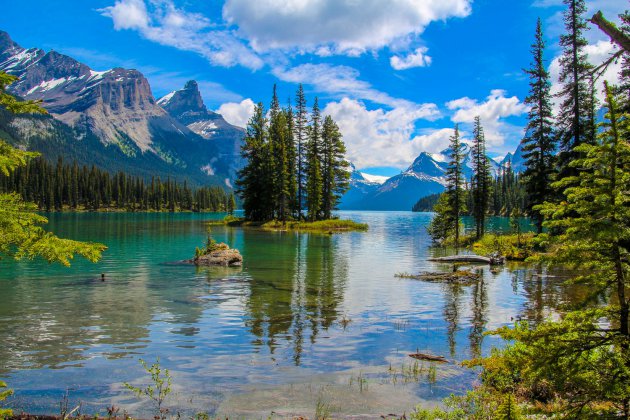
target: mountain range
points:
(110, 119)
(425, 176)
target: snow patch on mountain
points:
(377, 179)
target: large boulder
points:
(223, 256)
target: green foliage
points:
(5, 412)
(443, 224)
(474, 405)
(23, 237)
(513, 247)
(579, 366)
(157, 390)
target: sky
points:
(396, 75)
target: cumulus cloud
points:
(237, 113)
(344, 81)
(416, 59)
(162, 22)
(491, 112)
(383, 137)
(336, 26)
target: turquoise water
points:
(309, 319)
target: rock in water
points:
(226, 257)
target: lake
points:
(309, 321)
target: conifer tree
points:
(585, 361)
(292, 162)
(279, 157)
(455, 182)
(538, 145)
(481, 179)
(251, 178)
(314, 166)
(301, 139)
(335, 174)
(575, 116)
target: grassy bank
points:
(329, 226)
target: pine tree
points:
(335, 174)
(301, 139)
(455, 182)
(292, 162)
(279, 157)
(231, 204)
(251, 180)
(574, 119)
(314, 166)
(480, 182)
(538, 145)
(585, 361)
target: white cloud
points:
(336, 26)
(416, 59)
(343, 81)
(491, 112)
(237, 113)
(162, 22)
(383, 138)
(597, 53)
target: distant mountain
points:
(515, 160)
(187, 107)
(108, 117)
(424, 177)
(360, 188)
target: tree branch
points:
(609, 28)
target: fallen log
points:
(492, 260)
(462, 277)
(429, 357)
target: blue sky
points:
(395, 74)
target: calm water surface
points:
(309, 319)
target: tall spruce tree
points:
(314, 185)
(335, 174)
(301, 139)
(455, 182)
(481, 179)
(539, 145)
(251, 183)
(292, 187)
(279, 158)
(575, 119)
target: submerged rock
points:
(222, 255)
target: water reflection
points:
(298, 293)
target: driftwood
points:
(492, 260)
(609, 28)
(429, 357)
(463, 277)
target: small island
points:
(214, 253)
(328, 226)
